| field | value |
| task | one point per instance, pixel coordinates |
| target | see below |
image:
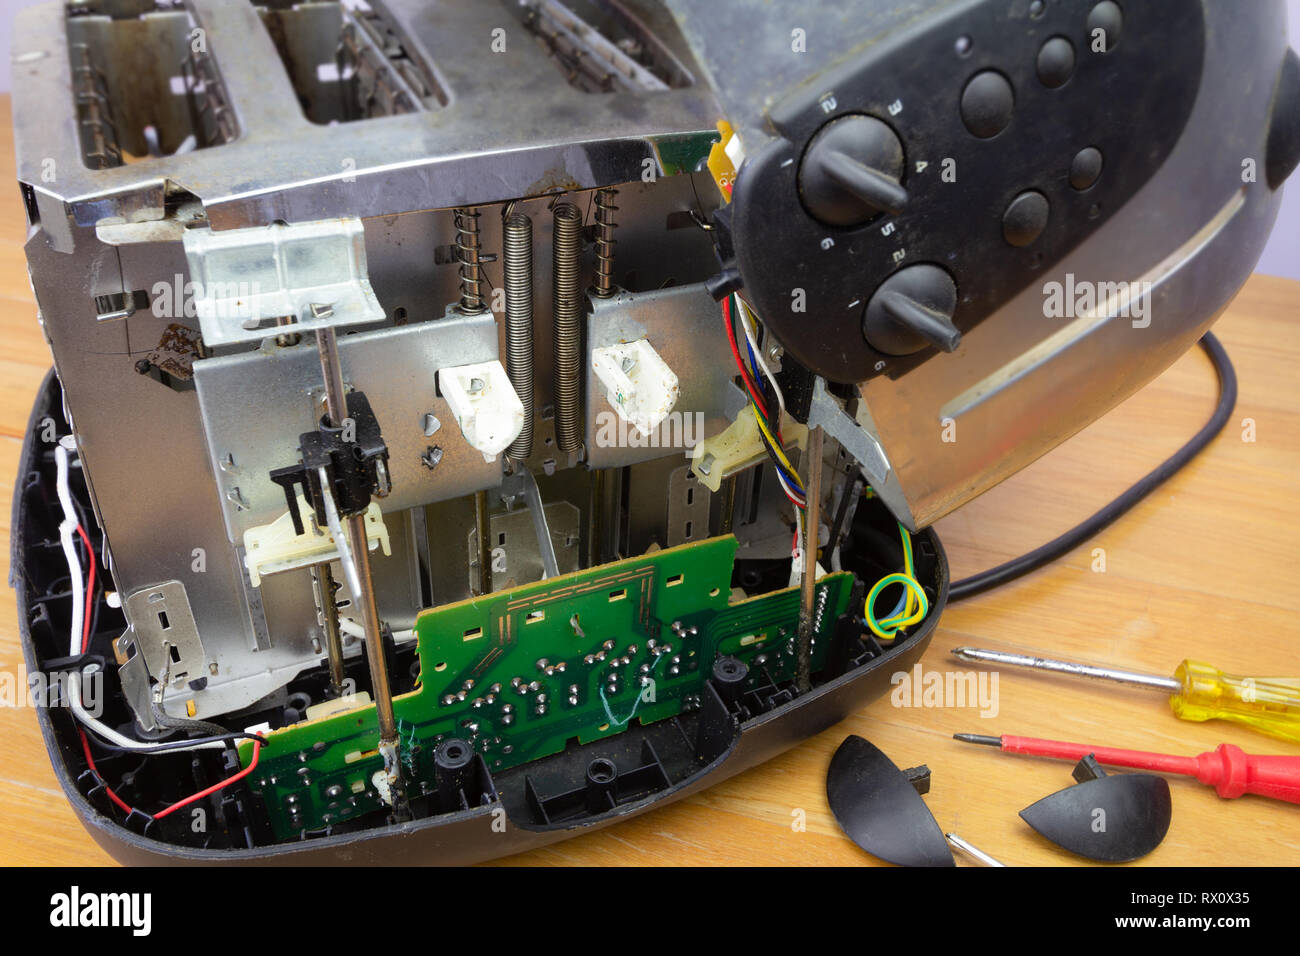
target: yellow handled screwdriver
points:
(1269, 705)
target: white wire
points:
(746, 320)
(793, 492)
(112, 736)
(353, 629)
(67, 533)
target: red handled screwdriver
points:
(1228, 769)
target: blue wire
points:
(640, 689)
(753, 371)
(898, 608)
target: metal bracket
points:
(165, 633)
(523, 483)
(134, 676)
(313, 273)
(858, 438)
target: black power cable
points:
(1056, 548)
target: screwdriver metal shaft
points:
(1132, 678)
(972, 851)
(1198, 691)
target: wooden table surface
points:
(1208, 567)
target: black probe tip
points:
(984, 739)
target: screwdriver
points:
(1228, 769)
(1269, 705)
(973, 852)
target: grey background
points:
(1281, 257)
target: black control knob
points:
(852, 172)
(913, 308)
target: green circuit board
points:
(520, 673)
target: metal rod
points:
(972, 851)
(381, 689)
(482, 531)
(808, 583)
(287, 339)
(354, 552)
(336, 405)
(1133, 678)
(596, 521)
(322, 581)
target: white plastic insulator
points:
(735, 152)
(484, 403)
(638, 383)
(276, 547)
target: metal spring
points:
(468, 251)
(605, 226)
(517, 250)
(566, 251)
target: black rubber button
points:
(1109, 18)
(987, 104)
(1056, 62)
(1026, 218)
(1085, 167)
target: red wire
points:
(749, 384)
(735, 352)
(85, 744)
(128, 809)
(90, 590)
(90, 761)
(252, 765)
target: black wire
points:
(730, 321)
(1018, 567)
(185, 725)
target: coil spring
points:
(467, 251)
(517, 247)
(605, 226)
(566, 251)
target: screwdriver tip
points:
(984, 739)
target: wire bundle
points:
(80, 632)
(769, 426)
(912, 605)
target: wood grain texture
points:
(1208, 567)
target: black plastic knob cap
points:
(852, 172)
(913, 308)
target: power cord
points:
(1056, 548)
